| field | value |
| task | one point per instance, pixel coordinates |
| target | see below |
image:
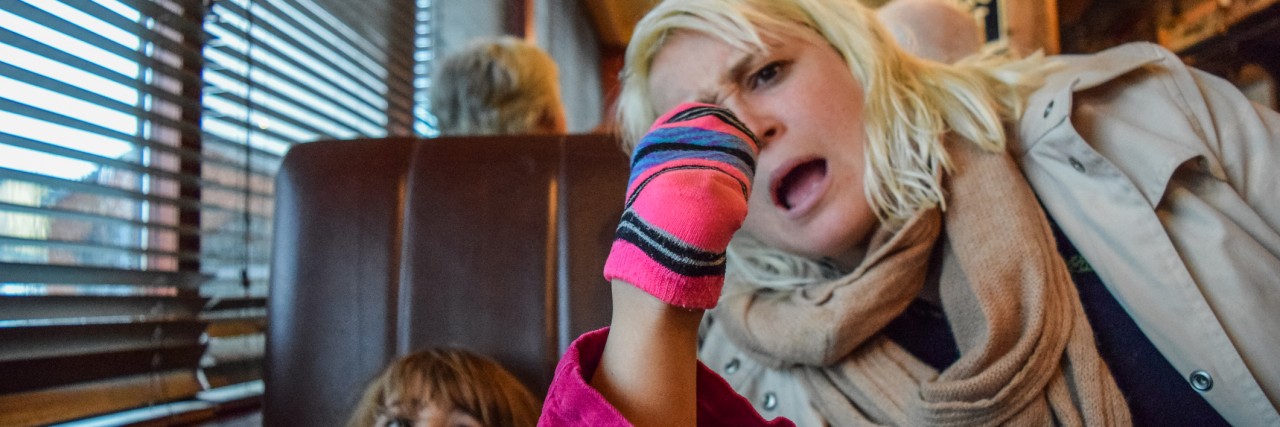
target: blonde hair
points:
(497, 86)
(909, 103)
(470, 382)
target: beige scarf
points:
(1027, 351)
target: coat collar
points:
(1051, 104)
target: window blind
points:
(97, 316)
(139, 141)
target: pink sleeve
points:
(572, 402)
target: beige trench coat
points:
(1168, 181)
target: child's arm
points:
(649, 366)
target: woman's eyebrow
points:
(738, 71)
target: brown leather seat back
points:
(383, 247)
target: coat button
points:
(1047, 109)
(1200, 380)
(770, 401)
(732, 366)
(1079, 167)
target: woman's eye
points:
(766, 74)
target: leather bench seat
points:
(385, 246)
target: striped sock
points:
(687, 195)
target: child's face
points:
(430, 414)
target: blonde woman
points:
(1082, 240)
(445, 387)
(497, 86)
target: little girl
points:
(450, 387)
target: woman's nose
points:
(765, 126)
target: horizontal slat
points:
(367, 92)
(230, 153)
(163, 41)
(31, 375)
(87, 95)
(270, 92)
(276, 83)
(104, 249)
(48, 406)
(228, 251)
(237, 326)
(225, 229)
(15, 252)
(222, 207)
(31, 144)
(355, 49)
(233, 373)
(236, 303)
(58, 306)
(274, 116)
(226, 209)
(170, 18)
(91, 188)
(56, 23)
(231, 249)
(180, 413)
(33, 344)
(225, 141)
(269, 19)
(30, 45)
(232, 286)
(232, 274)
(55, 226)
(244, 313)
(55, 213)
(234, 395)
(77, 124)
(259, 177)
(322, 14)
(337, 99)
(234, 349)
(23, 142)
(303, 78)
(44, 273)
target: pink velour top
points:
(572, 402)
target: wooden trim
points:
(1032, 25)
(82, 400)
(612, 60)
(518, 19)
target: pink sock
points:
(690, 179)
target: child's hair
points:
(469, 382)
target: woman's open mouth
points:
(799, 185)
